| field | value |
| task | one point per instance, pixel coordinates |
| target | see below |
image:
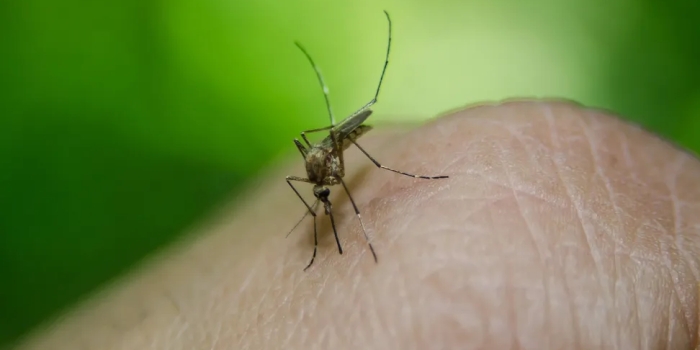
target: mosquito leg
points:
(329, 210)
(320, 80)
(337, 146)
(313, 212)
(301, 148)
(381, 77)
(319, 129)
(315, 245)
(306, 213)
(300, 179)
(396, 171)
(357, 212)
(303, 133)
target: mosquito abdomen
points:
(356, 134)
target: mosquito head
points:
(322, 193)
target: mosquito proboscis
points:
(325, 165)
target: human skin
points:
(559, 228)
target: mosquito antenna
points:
(381, 77)
(313, 207)
(320, 80)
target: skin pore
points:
(559, 228)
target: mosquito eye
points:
(325, 192)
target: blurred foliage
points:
(126, 121)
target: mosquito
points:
(325, 165)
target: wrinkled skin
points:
(559, 228)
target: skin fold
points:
(559, 228)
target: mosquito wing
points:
(347, 125)
(350, 127)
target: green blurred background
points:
(123, 122)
